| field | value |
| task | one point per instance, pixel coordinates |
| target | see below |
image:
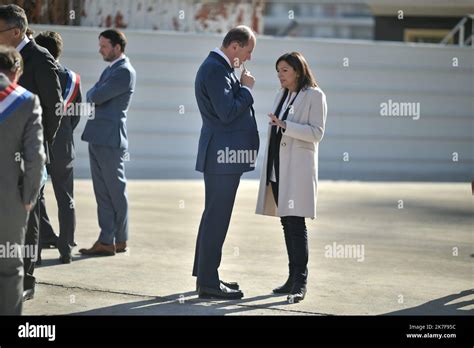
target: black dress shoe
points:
(223, 293)
(231, 285)
(285, 288)
(65, 258)
(28, 294)
(297, 294)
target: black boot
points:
(299, 243)
(297, 294)
(285, 288)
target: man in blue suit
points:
(106, 133)
(228, 147)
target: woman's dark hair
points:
(10, 60)
(116, 37)
(52, 41)
(298, 63)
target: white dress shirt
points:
(23, 43)
(222, 54)
(122, 56)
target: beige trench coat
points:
(298, 158)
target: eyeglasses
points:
(2, 31)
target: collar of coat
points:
(296, 103)
(221, 60)
(119, 63)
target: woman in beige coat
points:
(288, 184)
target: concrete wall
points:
(359, 144)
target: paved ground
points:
(415, 260)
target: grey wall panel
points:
(163, 141)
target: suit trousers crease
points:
(32, 243)
(62, 178)
(109, 182)
(220, 192)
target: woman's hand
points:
(275, 121)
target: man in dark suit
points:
(60, 167)
(228, 147)
(106, 134)
(40, 77)
(22, 158)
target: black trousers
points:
(219, 203)
(31, 241)
(62, 178)
(296, 240)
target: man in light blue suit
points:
(106, 133)
(228, 147)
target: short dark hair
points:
(298, 63)
(14, 16)
(52, 41)
(116, 37)
(241, 34)
(10, 60)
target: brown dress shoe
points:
(121, 247)
(99, 249)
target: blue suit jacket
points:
(112, 96)
(228, 120)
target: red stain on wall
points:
(216, 15)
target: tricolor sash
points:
(10, 99)
(72, 87)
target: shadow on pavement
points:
(75, 257)
(441, 306)
(171, 305)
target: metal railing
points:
(461, 28)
